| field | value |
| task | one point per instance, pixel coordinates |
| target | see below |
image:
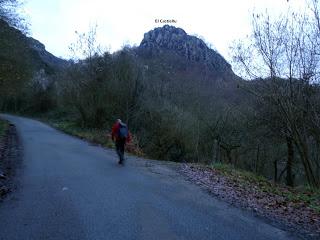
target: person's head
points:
(119, 120)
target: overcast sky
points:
(219, 22)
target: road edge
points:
(10, 160)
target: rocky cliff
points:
(46, 56)
(190, 47)
(15, 47)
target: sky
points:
(120, 22)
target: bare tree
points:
(8, 13)
(282, 53)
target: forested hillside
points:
(23, 61)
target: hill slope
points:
(179, 63)
(169, 38)
(21, 58)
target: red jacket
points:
(115, 130)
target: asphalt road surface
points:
(70, 189)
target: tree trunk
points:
(257, 160)
(289, 177)
(275, 163)
(236, 157)
(216, 151)
(304, 154)
(228, 153)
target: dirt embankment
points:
(9, 159)
(284, 207)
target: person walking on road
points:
(120, 135)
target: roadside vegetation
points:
(297, 197)
(3, 127)
(99, 136)
(295, 208)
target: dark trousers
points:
(120, 143)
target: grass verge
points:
(97, 136)
(92, 135)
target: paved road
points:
(70, 189)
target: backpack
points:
(123, 131)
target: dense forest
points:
(186, 106)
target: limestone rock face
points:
(46, 56)
(190, 47)
(15, 44)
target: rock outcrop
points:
(46, 56)
(15, 46)
(190, 47)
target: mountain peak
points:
(190, 47)
(166, 31)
